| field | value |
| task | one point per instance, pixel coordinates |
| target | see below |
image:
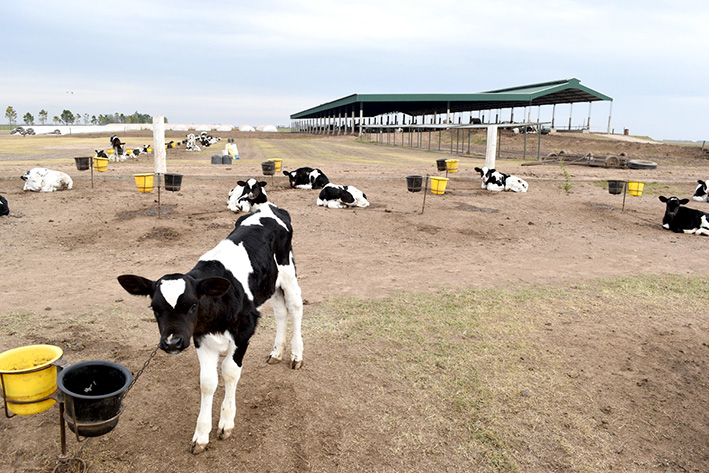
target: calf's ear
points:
(241, 183)
(662, 198)
(286, 173)
(136, 285)
(215, 287)
(684, 201)
(262, 183)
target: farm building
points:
(357, 112)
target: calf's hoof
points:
(197, 448)
(296, 364)
(225, 433)
(272, 360)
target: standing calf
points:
(681, 219)
(217, 305)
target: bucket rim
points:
(118, 366)
(57, 353)
(414, 175)
(144, 174)
(436, 178)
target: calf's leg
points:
(208, 380)
(294, 305)
(231, 372)
(280, 313)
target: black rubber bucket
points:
(226, 159)
(414, 183)
(173, 182)
(83, 163)
(615, 187)
(93, 394)
(441, 164)
(216, 159)
(268, 168)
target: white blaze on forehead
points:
(172, 289)
(235, 259)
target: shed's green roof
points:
(546, 93)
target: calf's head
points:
(175, 301)
(673, 203)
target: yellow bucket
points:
(109, 151)
(278, 162)
(128, 151)
(452, 165)
(635, 188)
(144, 182)
(150, 149)
(100, 164)
(28, 377)
(438, 185)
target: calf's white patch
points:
(172, 289)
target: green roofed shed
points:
(370, 105)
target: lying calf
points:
(497, 181)
(681, 219)
(46, 180)
(339, 197)
(247, 196)
(307, 178)
(701, 193)
(4, 208)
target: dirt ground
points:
(62, 252)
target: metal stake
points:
(425, 189)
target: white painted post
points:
(159, 145)
(491, 149)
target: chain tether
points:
(145, 365)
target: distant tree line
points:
(70, 118)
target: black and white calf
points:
(191, 143)
(4, 208)
(701, 193)
(247, 196)
(307, 178)
(207, 140)
(46, 180)
(681, 219)
(497, 181)
(340, 197)
(217, 305)
(138, 151)
(117, 146)
(101, 154)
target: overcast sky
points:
(258, 62)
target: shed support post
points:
(160, 155)
(491, 149)
(361, 118)
(609, 118)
